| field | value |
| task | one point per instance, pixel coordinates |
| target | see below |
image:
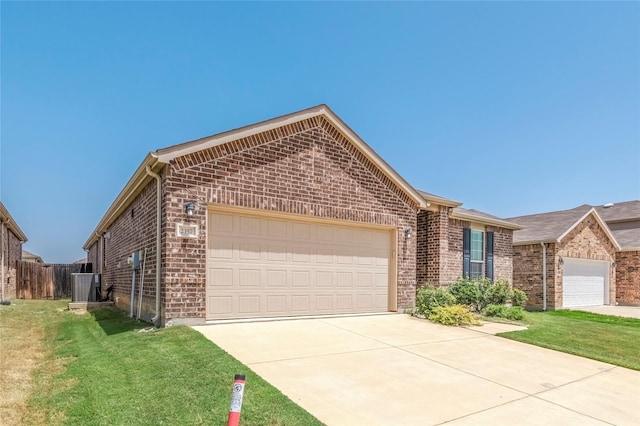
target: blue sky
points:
(512, 108)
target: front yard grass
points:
(99, 369)
(604, 338)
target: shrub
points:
(452, 315)
(430, 297)
(498, 293)
(519, 298)
(514, 313)
(494, 310)
(466, 292)
(501, 311)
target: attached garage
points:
(272, 266)
(585, 283)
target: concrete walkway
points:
(395, 369)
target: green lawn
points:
(101, 370)
(605, 338)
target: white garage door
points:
(584, 283)
(260, 266)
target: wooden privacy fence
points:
(45, 281)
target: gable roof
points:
(620, 212)
(27, 255)
(552, 227)
(10, 223)
(154, 161)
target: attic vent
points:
(606, 206)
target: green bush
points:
(466, 292)
(452, 315)
(519, 298)
(501, 311)
(494, 311)
(514, 313)
(497, 293)
(430, 297)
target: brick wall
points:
(528, 274)
(133, 230)
(433, 241)
(440, 248)
(12, 254)
(586, 241)
(628, 277)
(308, 169)
(502, 253)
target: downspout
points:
(158, 179)
(544, 276)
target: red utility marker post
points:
(236, 400)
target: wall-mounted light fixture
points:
(407, 233)
(189, 209)
(560, 260)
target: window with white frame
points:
(477, 254)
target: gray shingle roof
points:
(546, 227)
(629, 239)
(627, 210)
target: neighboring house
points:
(27, 256)
(565, 259)
(11, 240)
(292, 216)
(454, 242)
(623, 219)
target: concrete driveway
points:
(619, 311)
(395, 369)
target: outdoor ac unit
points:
(84, 287)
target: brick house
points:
(623, 219)
(11, 240)
(565, 259)
(454, 242)
(296, 215)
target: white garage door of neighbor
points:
(584, 282)
(260, 266)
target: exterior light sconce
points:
(561, 260)
(407, 233)
(189, 209)
(613, 264)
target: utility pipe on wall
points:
(544, 276)
(158, 238)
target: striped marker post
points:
(236, 400)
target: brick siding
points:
(528, 274)
(440, 248)
(12, 254)
(628, 277)
(307, 168)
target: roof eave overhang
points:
(630, 249)
(11, 224)
(134, 186)
(537, 242)
(167, 154)
(485, 221)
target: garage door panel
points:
(584, 282)
(261, 266)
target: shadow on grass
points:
(115, 321)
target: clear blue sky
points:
(512, 108)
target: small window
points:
(477, 254)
